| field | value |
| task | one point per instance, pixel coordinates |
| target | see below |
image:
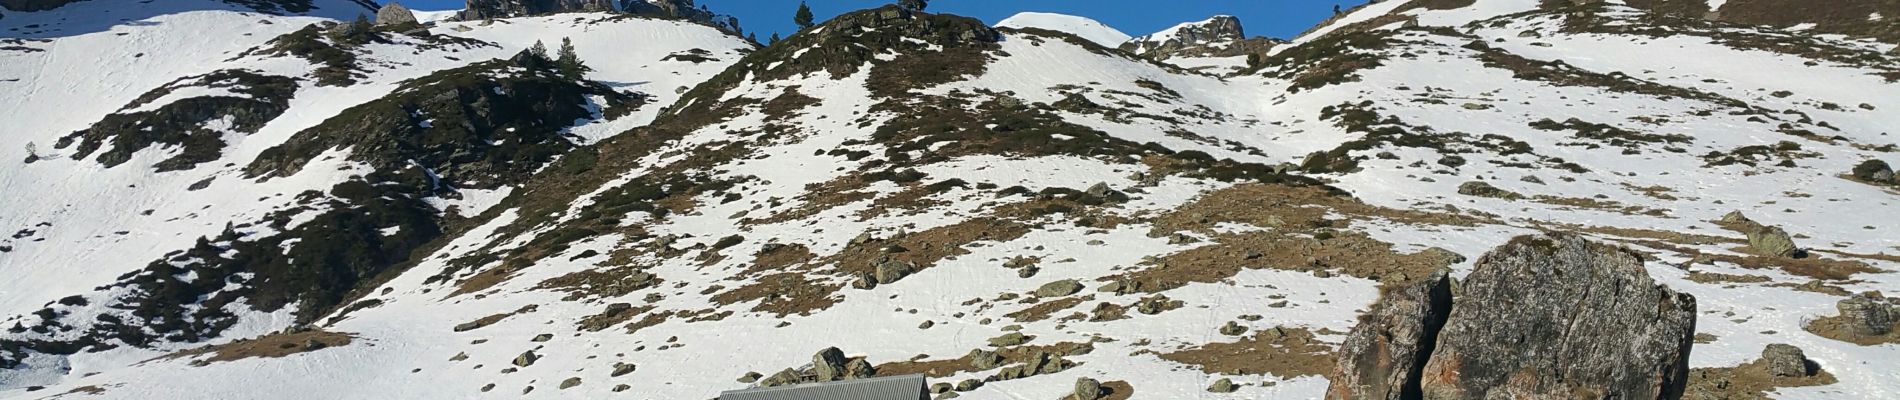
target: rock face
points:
(489, 9)
(682, 9)
(828, 364)
(394, 14)
(1382, 357)
(1220, 36)
(1542, 317)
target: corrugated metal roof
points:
(904, 387)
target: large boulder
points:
(394, 14)
(1382, 357)
(1772, 241)
(829, 364)
(1549, 316)
(1874, 171)
(1866, 314)
(1556, 316)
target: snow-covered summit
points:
(1086, 28)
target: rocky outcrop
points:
(682, 9)
(1874, 171)
(1785, 360)
(490, 9)
(34, 5)
(394, 14)
(1382, 357)
(1545, 316)
(1220, 36)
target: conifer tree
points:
(913, 5)
(774, 38)
(803, 16)
(569, 62)
(538, 49)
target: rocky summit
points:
(1409, 199)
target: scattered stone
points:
(570, 382)
(1866, 314)
(1785, 360)
(1232, 329)
(621, 368)
(1223, 385)
(1010, 339)
(622, 387)
(1059, 288)
(750, 376)
(459, 356)
(1875, 171)
(1027, 272)
(828, 364)
(892, 270)
(940, 387)
(543, 337)
(859, 369)
(984, 359)
(927, 324)
(968, 385)
(526, 358)
(1087, 389)
(1481, 189)
(1773, 242)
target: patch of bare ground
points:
(268, 346)
(1746, 381)
(1300, 238)
(478, 323)
(968, 363)
(88, 390)
(783, 293)
(615, 314)
(651, 319)
(600, 283)
(1713, 277)
(1043, 310)
(820, 197)
(1841, 328)
(779, 258)
(1812, 266)
(1117, 390)
(1281, 352)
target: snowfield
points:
(747, 214)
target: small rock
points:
(1027, 272)
(1087, 389)
(1223, 385)
(891, 271)
(543, 337)
(1773, 242)
(983, 359)
(1010, 339)
(1785, 360)
(1232, 329)
(968, 385)
(828, 364)
(940, 387)
(750, 376)
(1059, 288)
(570, 382)
(622, 387)
(621, 368)
(526, 358)
(927, 324)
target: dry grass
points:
(1282, 352)
(267, 346)
(1746, 381)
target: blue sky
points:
(1272, 18)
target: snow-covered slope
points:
(1004, 211)
(1085, 28)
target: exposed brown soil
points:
(1118, 390)
(1746, 381)
(1837, 328)
(1010, 355)
(600, 283)
(267, 346)
(478, 323)
(783, 293)
(1043, 310)
(1282, 352)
